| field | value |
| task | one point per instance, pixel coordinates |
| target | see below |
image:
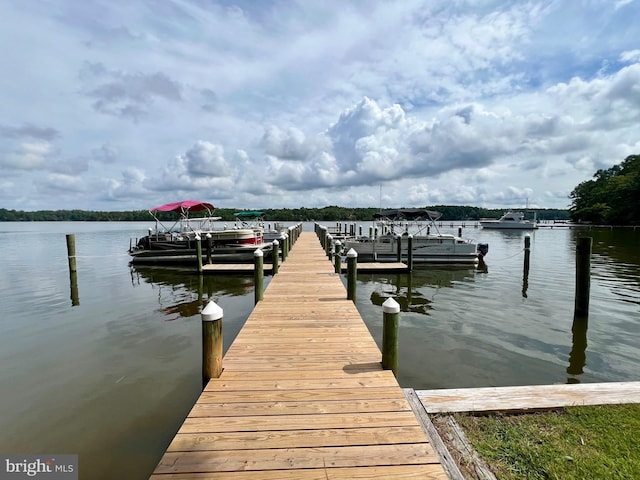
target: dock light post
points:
(337, 257)
(199, 253)
(276, 256)
(258, 274)
(390, 316)
(211, 316)
(352, 274)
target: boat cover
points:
(408, 214)
(184, 206)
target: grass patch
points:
(572, 443)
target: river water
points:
(109, 369)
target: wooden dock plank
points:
(528, 397)
(277, 459)
(302, 393)
(396, 472)
(330, 437)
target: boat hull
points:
(445, 250)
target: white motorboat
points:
(510, 220)
(427, 247)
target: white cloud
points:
(282, 104)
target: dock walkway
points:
(302, 394)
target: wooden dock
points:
(302, 394)
(248, 268)
(522, 398)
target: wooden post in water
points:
(285, 241)
(410, 252)
(211, 316)
(583, 276)
(352, 274)
(199, 253)
(391, 313)
(460, 231)
(209, 248)
(258, 274)
(525, 273)
(337, 257)
(71, 251)
(399, 248)
(73, 272)
(328, 246)
(275, 257)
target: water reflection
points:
(176, 288)
(408, 289)
(578, 355)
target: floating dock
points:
(302, 394)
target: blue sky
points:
(120, 105)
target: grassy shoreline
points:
(586, 442)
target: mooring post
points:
(71, 251)
(525, 272)
(583, 276)
(338, 257)
(258, 274)
(285, 241)
(390, 315)
(199, 253)
(460, 231)
(352, 274)
(209, 247)
(328, 246)
(410, 252)
(211, 316)
(73, 272)
(399, 248)
(275, 256)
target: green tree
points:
(612, 196)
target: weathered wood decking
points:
(302, 394)
(532, 397)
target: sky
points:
(126, 105)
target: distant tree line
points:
(330, 213)
(612, 197)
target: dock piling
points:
(258, 274)
(352, 274)
(391, 314)
(583, 276)
(73, 272)
(211, 316)
(209, 247)
(525, 273)
(337, 257)
(199, 253)
(399, 250)
(275, 256)
(410, 252)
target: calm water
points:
(112, 377)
